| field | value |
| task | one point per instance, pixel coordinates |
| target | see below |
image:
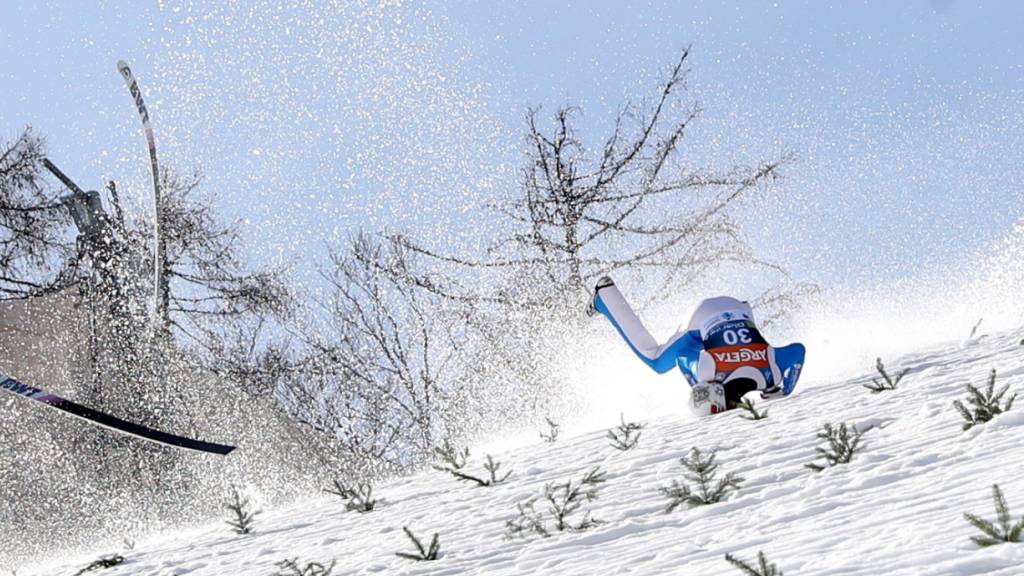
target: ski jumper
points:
(721, 344)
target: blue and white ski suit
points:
(720, 344)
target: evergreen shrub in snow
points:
(994, 534)
(984, 405)
(626, 435)
(887, 382)
(752, 413)
(492, 479)
(527, 521)
(552, 434)
(293, 568)
(763, 568)
(242, 515)
(105, 562)
(563, 501)
(451, 457)
(701, 471)
(422, 553)
(843, 443)
(358, 498)
(454, 460)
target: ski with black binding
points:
(107, 421)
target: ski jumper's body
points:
(721, 344)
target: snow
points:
(896, 509)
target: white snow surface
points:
(896, 509)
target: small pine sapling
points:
(1006, 531)
(453, 461)
(626, 435)
(104, 562)
(984, 405)
(242, 522)
(701, 471)
(567, 498)
(763, 568)
(293, 568)
(358, 498)
(564, 500)
(451, 457)
(491, 466)
(752, 413)
(887, 382)
(552, 434)
(527, 521)
(422, 554)
(842, 445)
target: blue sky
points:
(906, 118)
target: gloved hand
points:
(603, 282)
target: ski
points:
(159, 309)
(107, 421)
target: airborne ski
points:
(160, 303)
(107, 421)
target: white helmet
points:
(707, 398)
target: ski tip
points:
(121, 64)
(208, 447)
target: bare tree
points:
(253, 353)
(629, 205)
(210, 284)
(35, 251)
(383, 374)
(219, 304)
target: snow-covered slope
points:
(896, 509)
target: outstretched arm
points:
(660, 357)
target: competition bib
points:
(734, 344)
